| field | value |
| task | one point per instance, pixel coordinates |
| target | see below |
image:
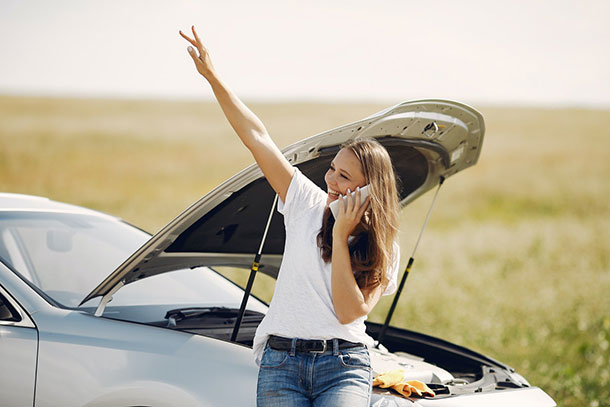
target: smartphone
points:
(334, 205)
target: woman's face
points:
(345, 173)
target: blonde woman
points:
(311, 346)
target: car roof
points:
(10, 202)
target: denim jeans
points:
(337, 377)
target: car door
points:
(18, 353)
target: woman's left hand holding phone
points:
(350, 215)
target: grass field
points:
(516, 259)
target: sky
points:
(543, 53)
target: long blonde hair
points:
(371, 249)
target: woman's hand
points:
(203, 62)
(349, 215)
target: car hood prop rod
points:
(407, 269)
(253, 270)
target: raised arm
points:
(248, 127)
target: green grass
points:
(515, 262)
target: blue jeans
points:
(337, 377)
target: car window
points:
(7, 312)
(199, 286)
(66, 255)
(9, 250)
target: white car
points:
(165, 329)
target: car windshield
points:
(66, 255)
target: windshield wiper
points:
(174, 316)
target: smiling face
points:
(345, 173)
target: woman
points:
(311, 346)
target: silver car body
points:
(111, 349)
(59, 356)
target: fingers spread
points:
(186, 37)
(195, 34)
(198, 43)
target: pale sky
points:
(511, 52)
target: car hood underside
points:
(428, 141)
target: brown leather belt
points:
(309, 345)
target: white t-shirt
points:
(302, 305)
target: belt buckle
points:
(323, 347)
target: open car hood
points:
(427, 140)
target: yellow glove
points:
(394, 379)
(388, 379)
(413, 387)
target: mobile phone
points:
(334, 205)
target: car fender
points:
(88, 360)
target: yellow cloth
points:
(394, 379)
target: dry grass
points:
(515, 262)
